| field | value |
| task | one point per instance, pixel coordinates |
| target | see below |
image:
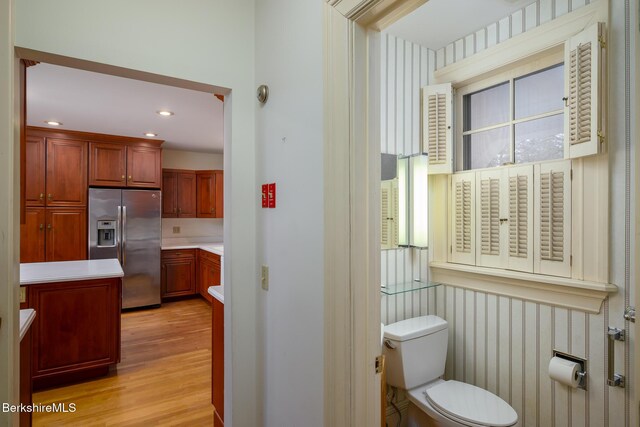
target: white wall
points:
(289, 60)
(209, 42)
(180, 159)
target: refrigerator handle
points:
(118, 223)
(124, 235)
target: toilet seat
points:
(470, 405)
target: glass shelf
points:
(400, 288)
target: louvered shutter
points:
(437, 130)
(584, 74)
(491, 215)
(389, 214)
(520, 224)
(463, 246)
(553, 218)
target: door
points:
(141, 235)
(219, 199)
(144, 166)
(35, 155)
(66, 231)
(169, 194)
(187, 195)
(205, 188)
(107, 164)
(32, 236)
(66, 181)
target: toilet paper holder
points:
(582, 375)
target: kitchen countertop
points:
(217, 292)
(69, 271)
(26, 319)
(214, 248)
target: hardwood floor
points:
(164, 377)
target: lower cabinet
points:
(208, 273)
(76, 332)
(178, 273)
(217, 361)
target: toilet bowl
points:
(415, 351)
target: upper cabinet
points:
(35, 165)
(210, 194)
(179, 193)
(124, 165)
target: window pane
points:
(541, 139)
(540, 92)
(487, 149)
(487, 107)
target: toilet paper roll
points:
(564, 371)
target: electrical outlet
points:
(176, 230)
(265, 277)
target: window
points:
(518, 120)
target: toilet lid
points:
(472, 404)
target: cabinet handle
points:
(50, 196)
(48, 226)
(213, 211)
(41, 196)
(41, 226)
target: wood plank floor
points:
(164, 377)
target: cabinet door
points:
(205, 278)
(463, 221)
(35, 171)
(66, 172)
(66, 231)
(219, 194)
(107, 164)
(169, 194)
(32, 236)
(144, 166)
(492, 210)
(206, 194)
(178, 277)
(187, 195)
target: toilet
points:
(415, 351)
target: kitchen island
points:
(76, 333)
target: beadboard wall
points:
(504, 344)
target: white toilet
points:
(416, 351)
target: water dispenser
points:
(106, 233)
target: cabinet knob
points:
(41, 196)
(48, 226)
(213, 210)
(41, 226)
(123, 177)
(129, 177)
(50, 196)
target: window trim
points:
(549, 58)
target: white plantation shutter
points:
(490, 216)
(584, 74)
(553, 218)
(437, 130)
(389, 214)
(463, 246)
(520, 230)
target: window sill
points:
(564, 292)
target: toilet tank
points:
(415, 351)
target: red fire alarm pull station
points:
(265, 200)
(272, 195)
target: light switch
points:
(265, 277)
(176, 230)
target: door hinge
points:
(571, 175)
(602, 41)
(451, 249)
(570, 260)
(601, 137)
(379, 364)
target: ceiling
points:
(440, 22)
(101, 103)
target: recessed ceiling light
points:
(53, 123)
(165, 113)
(151, 134)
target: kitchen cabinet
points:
(179, 190)
(35, 166)
(76, 332)
(210, 189)
(66, 180)
(217, 361)
(178, 275)
(124, 164)
(53, 234)
(208, 273)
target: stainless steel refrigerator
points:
(125, 224)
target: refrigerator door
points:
(141, 234)
(104, 229)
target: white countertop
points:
(217, 292)
(214, 248)
(26, 319)
(69, 271)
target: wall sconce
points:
(419, 201)
(403, 206)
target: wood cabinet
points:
(76, 332)
(66, 180)
(179, 193)
(124, 165)
(35, 167)
(178, 276)
(210, 189)
(217, 360)
(53, 234)
(208, 273)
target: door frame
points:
(352, 200)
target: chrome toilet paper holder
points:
(582, 375)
